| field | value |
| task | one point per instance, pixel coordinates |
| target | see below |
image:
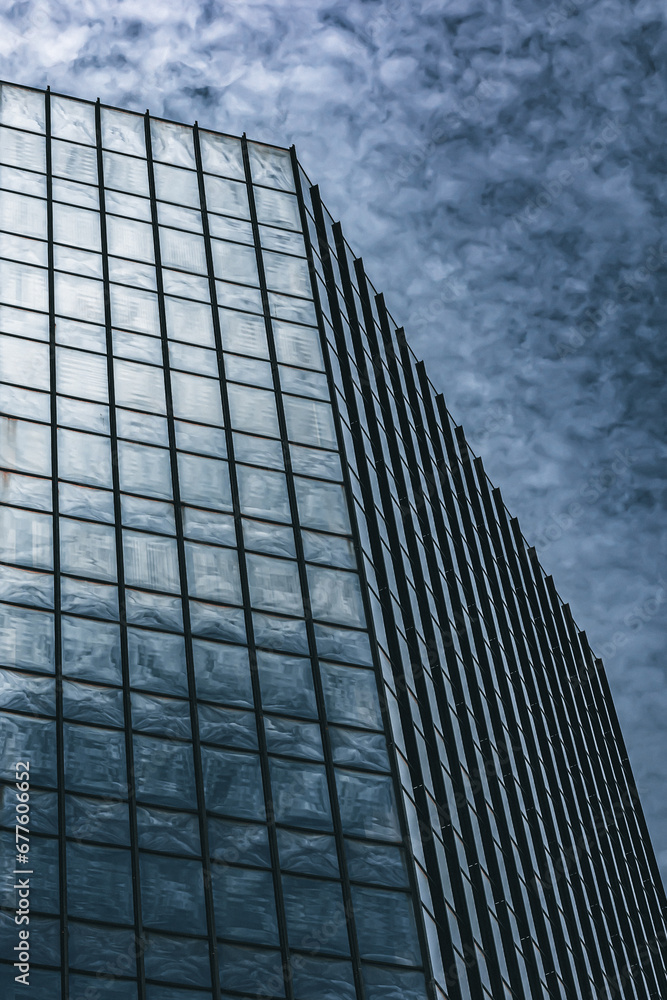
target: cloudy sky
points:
(501, 168)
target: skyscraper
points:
(289, 709)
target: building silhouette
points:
(303, 716)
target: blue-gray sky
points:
(501, 168)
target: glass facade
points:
(303, 717)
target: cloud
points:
(500, 169)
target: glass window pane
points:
(85, 336)
(330, 549)
(88, 549)
(336, 596)
(96, 819)
(224, 228)
(148, 514)
(26, 537)
(228, 727)
(274, 584)
(270, 166)
(253, 410)
(24, 446)
(73, 161)
(367, 805)
(22, 214)
(258, 451)
(176, 184)
(293, 739)
(318, 977)
(244, 904)
(233, 783)
(80, 298)
(145, 470)
(91, 650)
(73, 193)
(190, 286)
(78, 261)
(314, 911)
(76, 226)
(300, 794)
(22, 108)
(282, 240)
(204, 481)
(367, 750)
(95, 760)
(378, 863)
(139, 386)
(309, 422)
(136, 347)
(292, 309)
(215, 622)
(128, 238)
(380, 984)
(222, 673)
(79, 373)
(19, 149)
(277, 208)
(24, 586)
(196, 398)
(287, 684)
(322, 505)
(172, 894)
(164, 830)
(249, 370)
(24, 362)
(234, 296)
(13, 179)
(285, 634)
(213, 573)
(343, 645)
(123, 130)
(310, 853)
(22, 285)
(125, 173)
(99, 883)
(164, 772)
(85, 458)
(179, 217)
(243, 334)
(386, 927)
(250, 971)
(351, 696)
(227, 197)
(151, 561)
(154, 610)
(128, 206)
(239, 843)
(90, 703)
(173, 143)
(24, 323)
(185, 250)
(287, 274)
(26, 639)
(130, 272)
(27, 491)
(193, 359)
(234, 262)
(262, 536)
(221, 154)
(72, 120)
(208, 526)
(263, 493)
(134, 309)
(304, 383)
(142, 427)
(157, 661)
(189, 321)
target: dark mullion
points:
(583, 880)
(402, 686)
(512, 797)
(603, 912)
(453, 870)
(303, 578)
(462, 474)
(180, 542)
(120, 573)
(458, 542)
(374, 538)
(245, 587)
(396, 389)
(596, 780)
(57, 612)
(389, 624)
